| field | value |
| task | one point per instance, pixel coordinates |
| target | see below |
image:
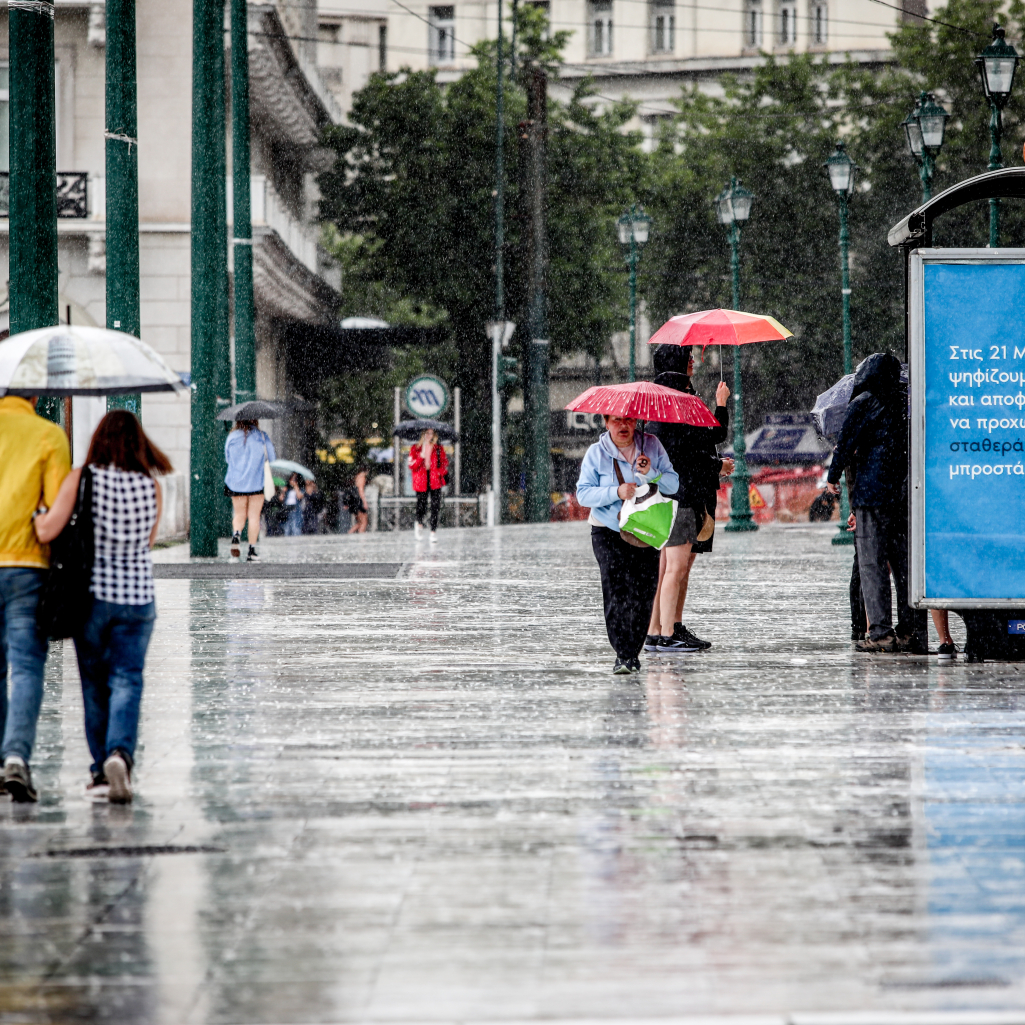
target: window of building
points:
(753, 23)
(601, 28)
(442, 23)
(382, 47)
(788, 24)
(663, 27)
(819, 24)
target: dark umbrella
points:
(831, 406)
(255, 410)
(410, 430)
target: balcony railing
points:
(72, 194)
(269, 209)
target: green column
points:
(843, 536)
(632, 263)
(222, 357)
(122, 152)
(996, 161)
(245, 313)
(740, 494)
(209, 255)
(33, 182)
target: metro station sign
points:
(427, 396)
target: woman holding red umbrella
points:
(609, 475)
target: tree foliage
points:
(411, 202)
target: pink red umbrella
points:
(644, 401)
(719, 327)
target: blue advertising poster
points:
(973, 471)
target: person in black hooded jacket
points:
(692, 451)
(873, 441)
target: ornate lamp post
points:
(841, 176)
(997, 64)
(634, 227)
(732, 209)
(925, 127)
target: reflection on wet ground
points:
(426, 797)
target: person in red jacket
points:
(429, 464)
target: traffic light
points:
(508, 372)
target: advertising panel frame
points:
(918, 259)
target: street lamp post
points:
(634, 227)
(997, 64)
(841, 176)
(924, 128)
(732, 209)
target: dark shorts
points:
(685, 529)
(241, 494)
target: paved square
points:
(425, 797)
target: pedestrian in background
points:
(293, 506)
(312, 503)
(34, 461)
(356, 502)
(692, 451)
(112, 644)
(873, 441)
(612, 468)
(429, 464)
(246, 449)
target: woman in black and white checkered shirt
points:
(112, 645)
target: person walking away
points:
(293, 506)
(34, 461)
(429, 463)
(112, 644)
(313, 503)
(356, 502)
(609, 475)
(692, 451)
(873, 441)
(245, 451)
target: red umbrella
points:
(719, 327)
(644, 401)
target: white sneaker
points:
(434, 537)
(418, 531)
(119, 778)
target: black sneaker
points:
(622, 667)
(651, 642)
(18, 781)
(634, 664)
(236, 544)
(947, 652)
(674, 646)
(253, 556)
(681, 633)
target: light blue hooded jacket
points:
(598, 486)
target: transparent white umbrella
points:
(76, 360)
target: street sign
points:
(967, 361)
(427, 396)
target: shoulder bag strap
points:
(619, 472)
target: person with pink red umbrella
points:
(692, 450)
(612, 469)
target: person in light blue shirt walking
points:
(611, 471)
(245, 452)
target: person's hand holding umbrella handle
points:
(728, 466)
(722, 393)
(833, 489)
(643, 463)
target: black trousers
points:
(421, 506)
(629, 580)
(858, 623)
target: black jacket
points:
(874, 436)
(691, 450)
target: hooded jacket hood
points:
(878, 374)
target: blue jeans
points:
(294, 522)
(24, 650)
(111, 654)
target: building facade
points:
(293, 281)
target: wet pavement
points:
(423, 796)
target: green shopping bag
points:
(648, 517)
